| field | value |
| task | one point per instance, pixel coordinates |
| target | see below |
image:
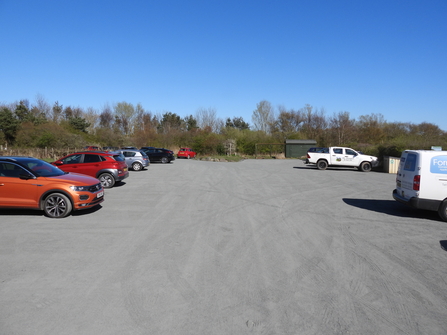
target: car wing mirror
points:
(26, 176)
(58, 163)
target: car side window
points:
(91, 158)
(129, 153)
(73, 159)
(338, 151)
(10, 170)
(350, 152)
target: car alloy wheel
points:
(57, 205)
(107, 180)
(137, 166)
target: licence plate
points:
(100, 194)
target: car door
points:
(129, 157)
(91, 164)
(351, 157)
(14, 191)
(154, 155)
(71, 163)
(337, 156)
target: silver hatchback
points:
(136, 160)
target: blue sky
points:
(383, 57)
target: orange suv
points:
(109, 168)
(27, 182)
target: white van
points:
(421, 180)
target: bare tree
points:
(92, 117)
(263, 117)
(342, 127)
(207, 119)
(106, 117)
(289, 121)
(124, 115)
(371, 128)
(314, 123)
(42, 106)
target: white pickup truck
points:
(341, 157)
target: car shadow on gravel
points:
(391, 207)
(86, 211)
(24, 212)
(443, 245)
(332, 168)
(119, 184)
(32, 212)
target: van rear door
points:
(408, 177)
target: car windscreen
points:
(41, 168)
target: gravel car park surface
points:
(255, 247)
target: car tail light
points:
(416, 182)
(308, 156)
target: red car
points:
(107, 167)
(27, 182)
(92, 147)
(186, 153)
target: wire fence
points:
(41, 153)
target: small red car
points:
(92, 147)
(107, 167)
(186, 153)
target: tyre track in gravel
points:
(148, 275)
(367, 263)
(246, 248)
(256, 257)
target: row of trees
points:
(43, 125)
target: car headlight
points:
(79, 188)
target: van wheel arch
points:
(442, 210)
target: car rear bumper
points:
(123, 176)
(427, 204)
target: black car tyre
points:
(322, 164)
(107, 180)
(57, 205)
(365, 167)
(164, 160)
(442, 211)
(137, 166)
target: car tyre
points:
(57, 205)
(137, 166)
(442, 211)
(365, 167)
(164, 160)
(107, 180)
(322, 164)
